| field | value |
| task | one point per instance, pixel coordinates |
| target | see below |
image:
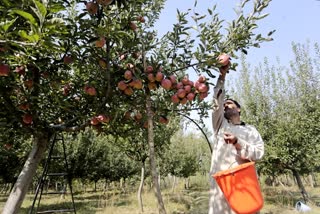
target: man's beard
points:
(229, 113)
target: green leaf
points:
(31, 38)
(244, 51)
(271, 32)
(262, 16)
(7, 24)
(41, 8)
(26, 15)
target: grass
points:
(278, 200)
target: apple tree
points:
(65, 65)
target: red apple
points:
(122, 85)
(27, 119)
(28, 84)
(191, 83)
(141, 19)
(21, 70)
(185, 80)
(145, 125)
(66, 89)
(159, 76)
(24, 106)
(173, 79)
(67, 60)
(163, 120)
(103, 118)
(151, 77)
(149, 69)
(92, 8)
(203, 95)
(166, 84)
(137, 116)
(202, 79)
(94, 121)
(90, 91)
(183, 101)
(175, 98)
(101, 42)
(103, 63)
(223, 59)
(190, 96)
(179, 85)
(127, 115)
(152, 85)
(4, 70)
(203, 87)
(133, 26)
(128, 75)
(128, 91)
(187, 88)
(196, 84)
(181, 93)
(137, 84)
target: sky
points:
(294, 21)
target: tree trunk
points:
(314, 179)
(187, 183)
(21, 186)
(141, 187)
(311, 181)
(300, 185)
(173, 184)
(152, 156)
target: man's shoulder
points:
(249, 126)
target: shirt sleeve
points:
(253, 148)
(218, 99)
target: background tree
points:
(284, 104)
(184, 156)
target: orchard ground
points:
(279, 199)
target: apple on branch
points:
(4, 70)
(92, 7)
(27, 119)
(223, 59)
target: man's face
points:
(230, 109)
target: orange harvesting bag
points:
(241, 188)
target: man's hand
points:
(230, 138)
(224, 69)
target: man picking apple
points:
(234, 142)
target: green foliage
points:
(54, 55)
(185, 156)
(94, 157)
(13, 153)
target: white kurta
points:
(225, 156)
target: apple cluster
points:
(20, 70)
(187, 90)
(184, 90)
